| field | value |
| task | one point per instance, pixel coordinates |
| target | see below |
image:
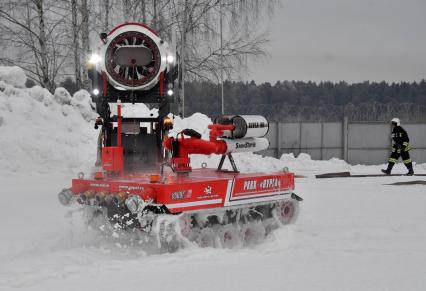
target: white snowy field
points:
(351, 234)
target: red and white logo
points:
(208, 190)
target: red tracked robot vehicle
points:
(144, 180)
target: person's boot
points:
(410, 169)
(389, 169)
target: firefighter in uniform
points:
(400, 148)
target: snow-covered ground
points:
(351, 234)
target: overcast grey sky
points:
(351, 40)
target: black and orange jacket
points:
(400, 136)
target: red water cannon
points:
(227, 135)
(181, 147)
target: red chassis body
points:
(186, 190)
(200, 189)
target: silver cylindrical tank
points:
(245, 126)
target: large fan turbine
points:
(134, 57)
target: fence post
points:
(278, 153)
(345, 138)
(300, 137)
(322, 141)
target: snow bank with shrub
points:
(14, 76)
(41, 132)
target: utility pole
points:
(106, 7)
(221, 57)
(85, 41)
(76, 45)
(182, 55)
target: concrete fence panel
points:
(369, 136)
(332, 144)
(290, 137)
(357, 143)
(311, 138)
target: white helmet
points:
(396, 121)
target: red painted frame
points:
(200, 189)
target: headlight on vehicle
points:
(95, 59)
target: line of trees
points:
(310, 101)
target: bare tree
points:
(106, 10)
(143, 10)
(42, 40)
(199, 21)
(85, 42)
(35, 33)
(40, 30)
(205, 52)
(196, 24)
(127, 9)
(76, 43)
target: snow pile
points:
(62, 96)
(44, 133)
(83, 103)
(303, 164)
(252, 162)
(196, 121)
(134, 110)
(14, 76)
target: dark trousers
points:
(404, 154)
(399, 153)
